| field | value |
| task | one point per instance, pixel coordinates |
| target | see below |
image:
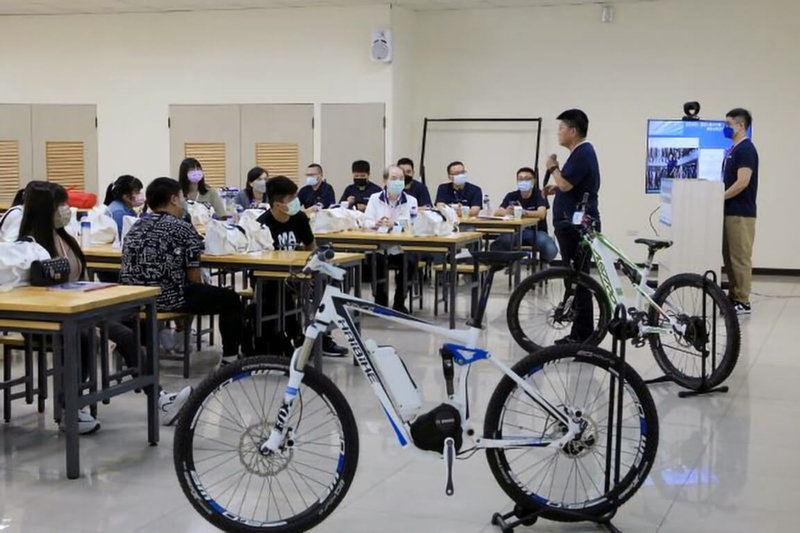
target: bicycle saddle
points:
(498, 259)
(654, 244)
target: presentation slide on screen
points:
(679, 149)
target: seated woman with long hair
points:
(46, 214)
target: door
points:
(277, 137)
(15, 150)
(351, 132)
(210, 134)
(64, 145)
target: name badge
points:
(577, 218)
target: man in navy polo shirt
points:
(357, 195)
(316, 193)
(415, 188)
(740, 173)
(459, 190)
(535, 206)
(580, 175)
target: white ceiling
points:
(55, 7)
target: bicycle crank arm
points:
(449, 458)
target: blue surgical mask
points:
(293, 207)
(395, 187)
(460, 179)
(727, 131)
(311, 180)
(525, 186)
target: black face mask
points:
(409, 179)
(360, 182)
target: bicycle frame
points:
(335, 309)
(603, 252)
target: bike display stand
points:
(710, 277)
(622, 330)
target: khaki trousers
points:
(738, 234)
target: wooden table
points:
(450, 244)
(108, 258)
(511, 225)
(64, 314)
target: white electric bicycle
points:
(268, 444)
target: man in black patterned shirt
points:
(164, 250)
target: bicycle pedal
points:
(449, 455)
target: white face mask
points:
(62, 217)
(460, 179)
(311, 180)
(260, 186)
(525, 185)
(395, 187)
(293, 207)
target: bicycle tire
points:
(640, 407)
(725, 363)
(243, 375)
(559, 275)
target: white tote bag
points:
(331, 221)
(104, 229)
(432, 222)
(15, 262)
(259, 238)
(225, 239)
(127, 223)
(200, 213)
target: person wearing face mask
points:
(415, 188)
(740, 174)
(164, 250)
(459, 190)
(193, 185)
(580, 175)
(316, 193)
(291, 230)
(358, 194)
(384, 209)
(535, 206)
(122, 197)
(254, 191)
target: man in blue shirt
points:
(740, 173)
(415, 188)
(316, 193)
(580, 175)
(357, 195)
(459, 190)
(535, 206)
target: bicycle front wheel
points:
(217, 449)
(542, 309)
(578, 478)
(680, 353)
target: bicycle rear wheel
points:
(570, 481)
(541, 311)
(236, 487)
(680, 355)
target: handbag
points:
(50, 272)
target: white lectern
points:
(691, 216)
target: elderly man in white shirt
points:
(386, 209)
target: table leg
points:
(476, 288)
(151, 370)
(72, 354)
(453, 275)
(257, 293)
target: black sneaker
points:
(742, 308)
(331, 349)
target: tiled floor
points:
(726, 462)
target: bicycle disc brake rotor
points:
(696, 334)
(257, 463)
(584, 441)
(562, 315)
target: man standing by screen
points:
(740, 173)
(580, 175)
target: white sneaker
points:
(86, 423)
(170, 405)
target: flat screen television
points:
(684, 149)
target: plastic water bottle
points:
(86, 232)
(413, 216)
(487, 205)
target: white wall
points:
(134, 66)
(651, 59)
